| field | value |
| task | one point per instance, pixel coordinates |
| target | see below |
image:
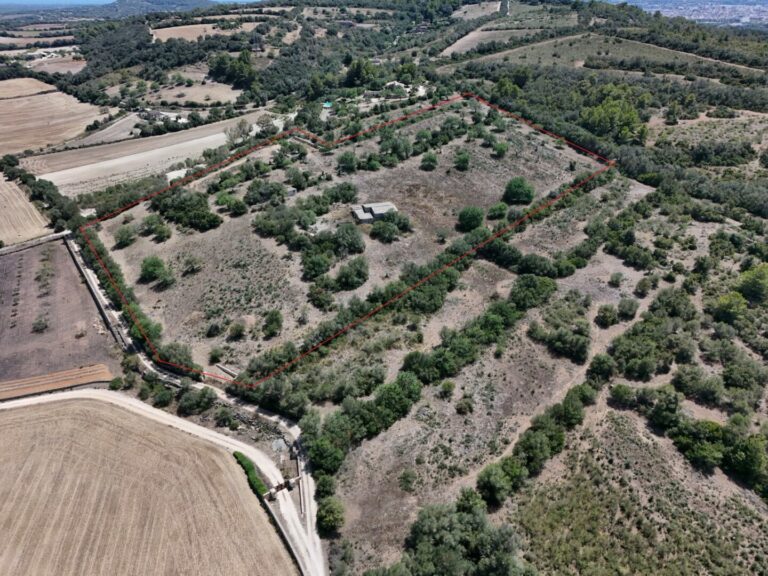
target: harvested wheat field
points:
(33, 122)
(19, 219)
(55, 381)
(83, 492)
(7, 40)
(88, 169)
(194, 31)
(23, 87)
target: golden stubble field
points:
(37, 120)
(90, 488)
(194, 31)
(19, 219)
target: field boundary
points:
(155, 355)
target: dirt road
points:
(306, 548)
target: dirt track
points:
(85, 493)
(54, 381)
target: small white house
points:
(366, 213)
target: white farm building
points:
(365, 213)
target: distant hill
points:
(97, 9)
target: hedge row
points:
(254, 480)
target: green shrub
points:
(152, 268)
(497, 211)
(330, 515)
(254, 481)
(428, 161)
(518, 191)
(627, 308)
(607, 316)
(470, 218)
(385, 232)
(273, 323)
(461, 161)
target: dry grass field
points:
(209, 93)
(477, 37)
(573, 51)
(48, 320)
(89, 169)
(46, 26)
(472, 11)
(82, 492)
(62, 64)
(19, 219)
(54, 381)
(17, 87)
(194, 31)
(34, 122)
(623, 496)
(244, 276)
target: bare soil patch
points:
(19, 219)
(105, 491)
(42, 290)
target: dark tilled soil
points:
(75, 335)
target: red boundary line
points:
(287, 133)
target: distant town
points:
(747, 13)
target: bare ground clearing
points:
(34, 122)
(120, 129)
(70, 332)
(84, 492)
(19, 219)
(574, 50)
